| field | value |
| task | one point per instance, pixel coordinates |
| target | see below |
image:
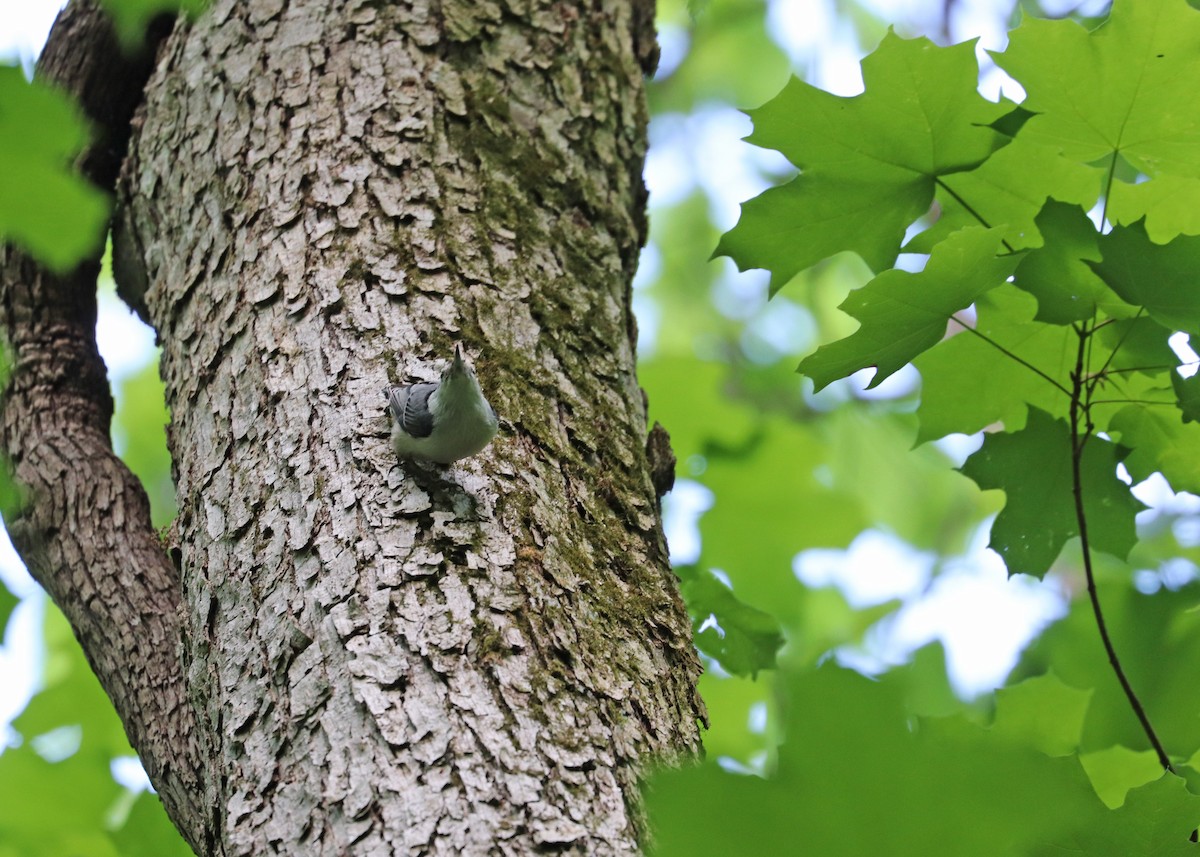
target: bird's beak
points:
(458, 356)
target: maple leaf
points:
(1159, 277)
(1154, 821)
(1128, 95)
(904, 313)
(1001, 388)
(45, 205)
(1160, 441)
(1033, 468)
(1057, 273)
(747, 638)
(868, 163)
(1187, 394)
(1009, 189)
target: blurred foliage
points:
(818, 760)
(8, 603)
(132, 17)
(139, 434)
(45, 207)
(69, 736)
(724, 54)
(860, 774)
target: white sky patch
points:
(802, 27)
(673, 45)
(900, 383)
(128, 771)
(781, 328)
(682, 509)
(1156, 493)
(982, 617)
(959, 447)
(21, 654)
(126, 343)
(874, 569)
(24, 25)
(706, 149)
(1181, 344)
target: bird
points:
(442, 422)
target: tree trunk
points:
(386, 657)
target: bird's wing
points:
(410, 407)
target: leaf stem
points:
(1107, 373)
(971, 211)
(1108, 183)
(1009, 354)
(1079, 437)
(1095, 377)
(1129, 402)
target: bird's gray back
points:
(410, 407)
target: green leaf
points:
(903, 314)
(1152, 635)
(926, 683)
(33, 815)
(869, 163)
(1042, 712)
(133, 16)
(1155, 821)
(1124, 94)
(752, 534)
(1116, 770)
(858, 775)
(747, 640)
(148, 831)
(1160, 277)
(53, 809)
(1008, 190)
(8, 603)
(1033, 468)
(1001, 387)
(1067, 289)
(1187, 392)
(824, 621)
(1168, 205)
(1160, 442)
(1138, 346)
(872, 458)
(44, 205)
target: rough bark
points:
(391, 658)
(84, 528)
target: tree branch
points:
(84, 531)
(1079, 436)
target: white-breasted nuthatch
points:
(442, 422)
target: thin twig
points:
(1078, 440)
(1099, 373)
